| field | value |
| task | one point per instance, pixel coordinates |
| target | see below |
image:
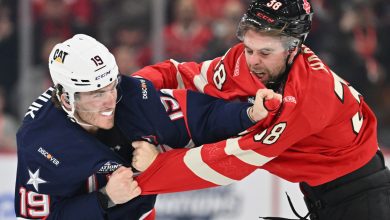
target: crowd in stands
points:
(351, 36)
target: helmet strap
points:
(70, 100)
(278, 84)
(74, 119)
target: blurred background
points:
(351, 36)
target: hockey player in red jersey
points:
(324, 136)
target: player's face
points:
(97, 108)
(265, 55)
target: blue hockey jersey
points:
(61, 166)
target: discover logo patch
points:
(49, 156)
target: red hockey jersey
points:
(324, 129)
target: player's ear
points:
(65, 100)
(293, 52)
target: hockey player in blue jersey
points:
(74, 159)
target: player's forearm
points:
(191, 169)
(168, 174)
(221, 121)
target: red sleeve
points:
(162, 75)
(225, 77)
(189, 169)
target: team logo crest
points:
(109, 167)
(290, 99)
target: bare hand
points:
(258, 111)
(143, 155)
(121, 187)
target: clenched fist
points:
(121, 187)
(259, 109)
(143, 155)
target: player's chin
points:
(106, 126)
(106, 123)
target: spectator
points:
(55, 18)
(126, 59)
(133, 36)
(186, 38)
(225, 29)
(8, 56)
(8, 127)
(129, 15)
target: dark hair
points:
(55, 94)
(288, 42)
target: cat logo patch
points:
(59, 56)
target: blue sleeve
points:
(140, 114)
(143, 111)
(210, 119)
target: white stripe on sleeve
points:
(180, 83)
(193, 160)
(200, 80)
(247, 156)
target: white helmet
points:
(81, 64)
